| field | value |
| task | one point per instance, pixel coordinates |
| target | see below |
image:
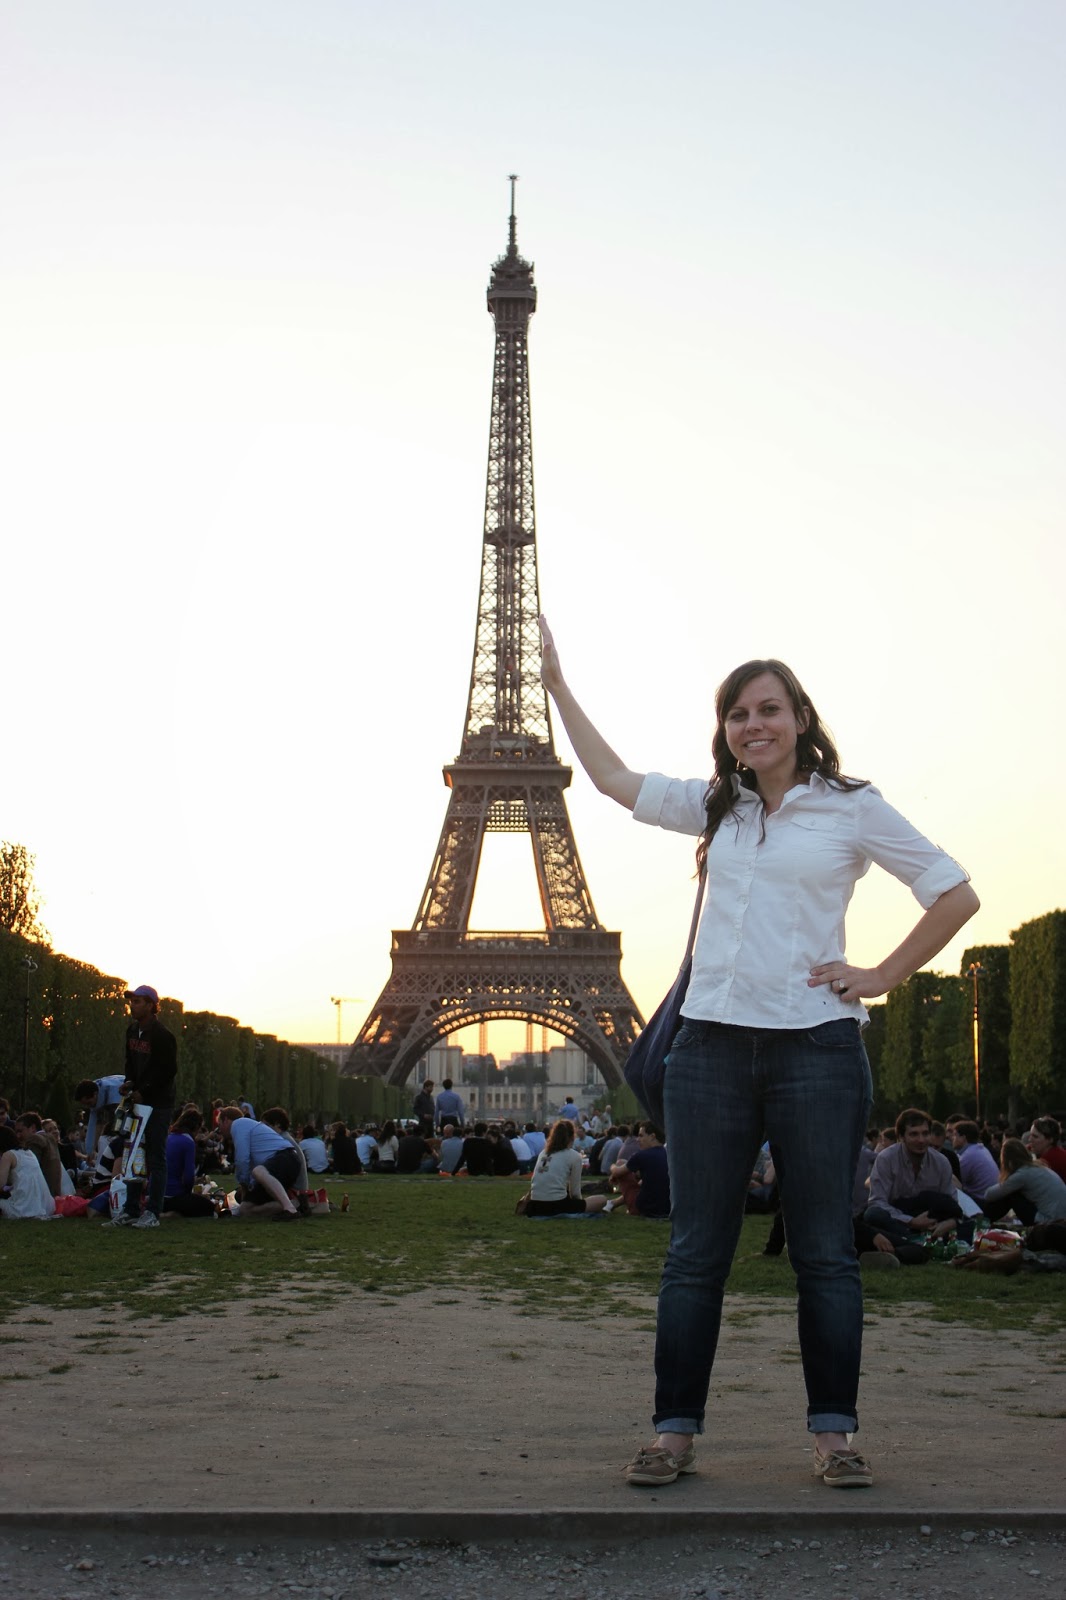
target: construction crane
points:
(340, 1000)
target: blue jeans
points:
(809, 1092)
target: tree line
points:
(62, 1020)
(921, 1040)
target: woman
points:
(1032, 1192)
(769, 1045)
(555, 1187)
(388, 1148)
(1044, 1138)
(24, 1193)
(344, 1157)
(181, 1152)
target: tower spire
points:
(512, 243)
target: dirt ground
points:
(435, 1402)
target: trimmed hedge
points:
(77, 1021)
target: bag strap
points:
(695, 918)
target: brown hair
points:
(815, 750)
(560, 1137)
(1013, 1156)
(911, 1118)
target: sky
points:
(797, 388)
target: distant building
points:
(516, 1088)
(443, 1061)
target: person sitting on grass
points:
(610, 1151)
(1044, 1137)
(476, 1156)
(314, 1148)
(30, 1133)
(344, 1155)
(523, 1151)
(451, 1148)
(535, 1138)
(643, 1179)
(584, 1141)
(630, 1142)
(366, 1145)
(24, 1193)
(911, 1188)
(555, 1188)
(762, 1193)
(178, 1198)
(388, 1148)
(504, 1160)
(415, 1151)
(266, 1163)
(1034, 1193)
(977, 1166)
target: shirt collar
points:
(747, 797)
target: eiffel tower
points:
(507, 778)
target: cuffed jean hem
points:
(678, 1425)
(832, 1422)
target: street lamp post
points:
(30, 966)
(974, 972)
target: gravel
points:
(978, 1564)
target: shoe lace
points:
(846, 1458)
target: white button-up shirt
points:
(777, 888)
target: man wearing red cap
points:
(151, 1067)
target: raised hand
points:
(551, 673)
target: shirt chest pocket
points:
(808, 825)
(817, 840)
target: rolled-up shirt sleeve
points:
(679, 805)
(895, 844)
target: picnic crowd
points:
(922, 1188)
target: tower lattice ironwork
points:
(507, 778)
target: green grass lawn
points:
(451, 1236)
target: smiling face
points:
(761, 729)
